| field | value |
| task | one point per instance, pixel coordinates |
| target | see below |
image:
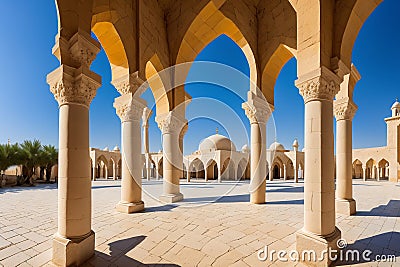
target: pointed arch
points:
(159, 85)
(209, 24)
(349, 20)
(212, 169)
(274, 65)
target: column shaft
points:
(257, 163)
(344, 192)
(130, 109)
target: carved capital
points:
(129, 108)
(170, 123)
(81, 49)
(321, 84)
(257, 109)
(128, 83)
(70, 85)
(344, 109)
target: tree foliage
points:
(29, 154)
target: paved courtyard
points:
(204, 230)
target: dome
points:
(216, 142)
(116, 148)
(396, 105)
(106, 149)
(276, 146)
(245, 149)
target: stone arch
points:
(348, 24)
(383, 169)
(271, 71)
(159, 85)
(212, 169)
(243, 169)
(113, 46)
(209, 24)
(113, 27)
(289, 169)
(357, 169)
(228, 169)
(196, 168)
(277, 168)
(370, 168)
(102, 167)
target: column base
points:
(321, 245)
(125, 207)
(67, 252)
(346, 206)
(171, 198)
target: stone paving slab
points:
(203, 230)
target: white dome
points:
(276, 146)
(245, 149)
(116, 148)
(106, 149)
(396, 105)
(216, 142)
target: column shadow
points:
(391, 209)
(118, 257)
(381, 246)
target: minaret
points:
(393, 142)
(295, 145)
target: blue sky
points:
(28, 109)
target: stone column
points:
(130, 109)
(319, 233)
(145, 124)
(284, 172)
(271, 174)
(188, 175)
(205, 174)
(114, 171)
(296, 173)
(94, 169)
(74, 86)
(344, 112)
(157, 175)
(364, 168)
(171, 126)
(257, 111)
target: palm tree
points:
(31, 157)
(51, 158)
(8, 157)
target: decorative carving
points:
(256, 114)
(318, 88)
(344, 110)
(80, 90)
(81, 48)
(170, 123)
(129, 109)
(128, 83)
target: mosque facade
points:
(217, 159)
